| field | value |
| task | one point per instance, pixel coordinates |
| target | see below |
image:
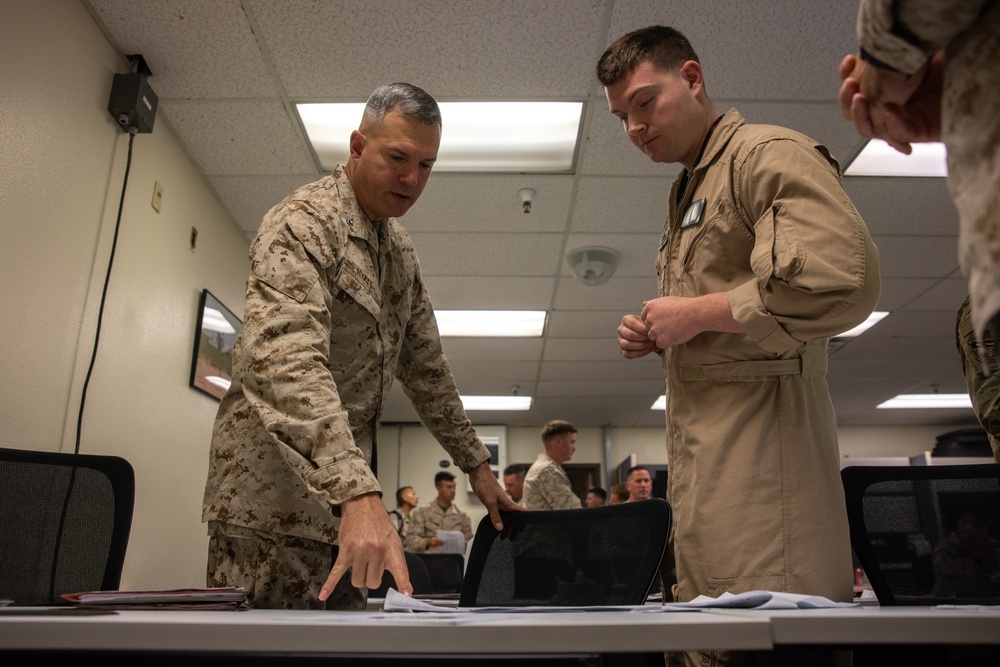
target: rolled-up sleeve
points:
(905, 33)
(815, 266)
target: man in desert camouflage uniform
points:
(439, 514)
(335, 308)
(546, 485)
(929, 70)
(983, 389)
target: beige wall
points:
(63, 160)
(60, 181)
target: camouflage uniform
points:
(427, 520)
(335, 308)
(904, 34)
(984, 389)
(546, 487)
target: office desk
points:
(302, 633)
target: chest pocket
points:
(714, 251)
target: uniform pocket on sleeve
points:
(778, 250)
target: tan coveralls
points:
(754, 478)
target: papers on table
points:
(396, 601)
(181, 598)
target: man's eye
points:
(642, 105)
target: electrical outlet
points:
(157, 196)
(194, 238)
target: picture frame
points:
(214, 343)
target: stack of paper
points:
(181, 598)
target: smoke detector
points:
(593, 265)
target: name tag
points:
(693, 214)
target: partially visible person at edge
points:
(335, 310)
(984, 390)
(762, 259)
(619, 494)
(929, 70)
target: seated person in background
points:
(596, 497)
(983, 389)
(546, 485)
(441, 513)
(967, 562)
(513, 480)
(639, 484)
(406, 500)
(619, 494)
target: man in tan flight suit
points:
(929, 70)
(335, 310)
(762, 258)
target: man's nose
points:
(409, 176)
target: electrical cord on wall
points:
(104, 292)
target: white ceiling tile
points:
(916, 256)
(248, 198)
(195, 49)
(492, 293)
(239, 137)
(488, 254)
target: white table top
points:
(558, 632)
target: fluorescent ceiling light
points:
(496, 402)
(928, 401)
(538, 137)
(872, 320)
(660, 403)
(880, 159)
(507, 323)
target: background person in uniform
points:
(929, 70)
(546, 485)
(619, 494)
(439, 514)
(406, 500)
(335, 311)
(596, 497)
(513, 480)
(639, 484)
(983, 389)
(762, 258)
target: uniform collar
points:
(358, 224)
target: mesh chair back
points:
(446, 570)
(590, 556)
(65, 521)
(927, 535)
(420, 580)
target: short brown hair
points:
(664, 47)
(556, 427)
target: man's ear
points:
(691, 71)
(357, 143)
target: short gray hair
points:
(407, 99)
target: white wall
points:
(60, 182)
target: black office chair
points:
(582, 557)
(447, 571)
(927, 535)
(420, 579)
(64, 521)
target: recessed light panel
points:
(471, 403)
(928, 401)
(533, 137)
(880, 159)
(491, 323)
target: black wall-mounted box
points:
(133, 102)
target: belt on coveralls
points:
(812, 364)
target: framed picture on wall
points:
(214, 339)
